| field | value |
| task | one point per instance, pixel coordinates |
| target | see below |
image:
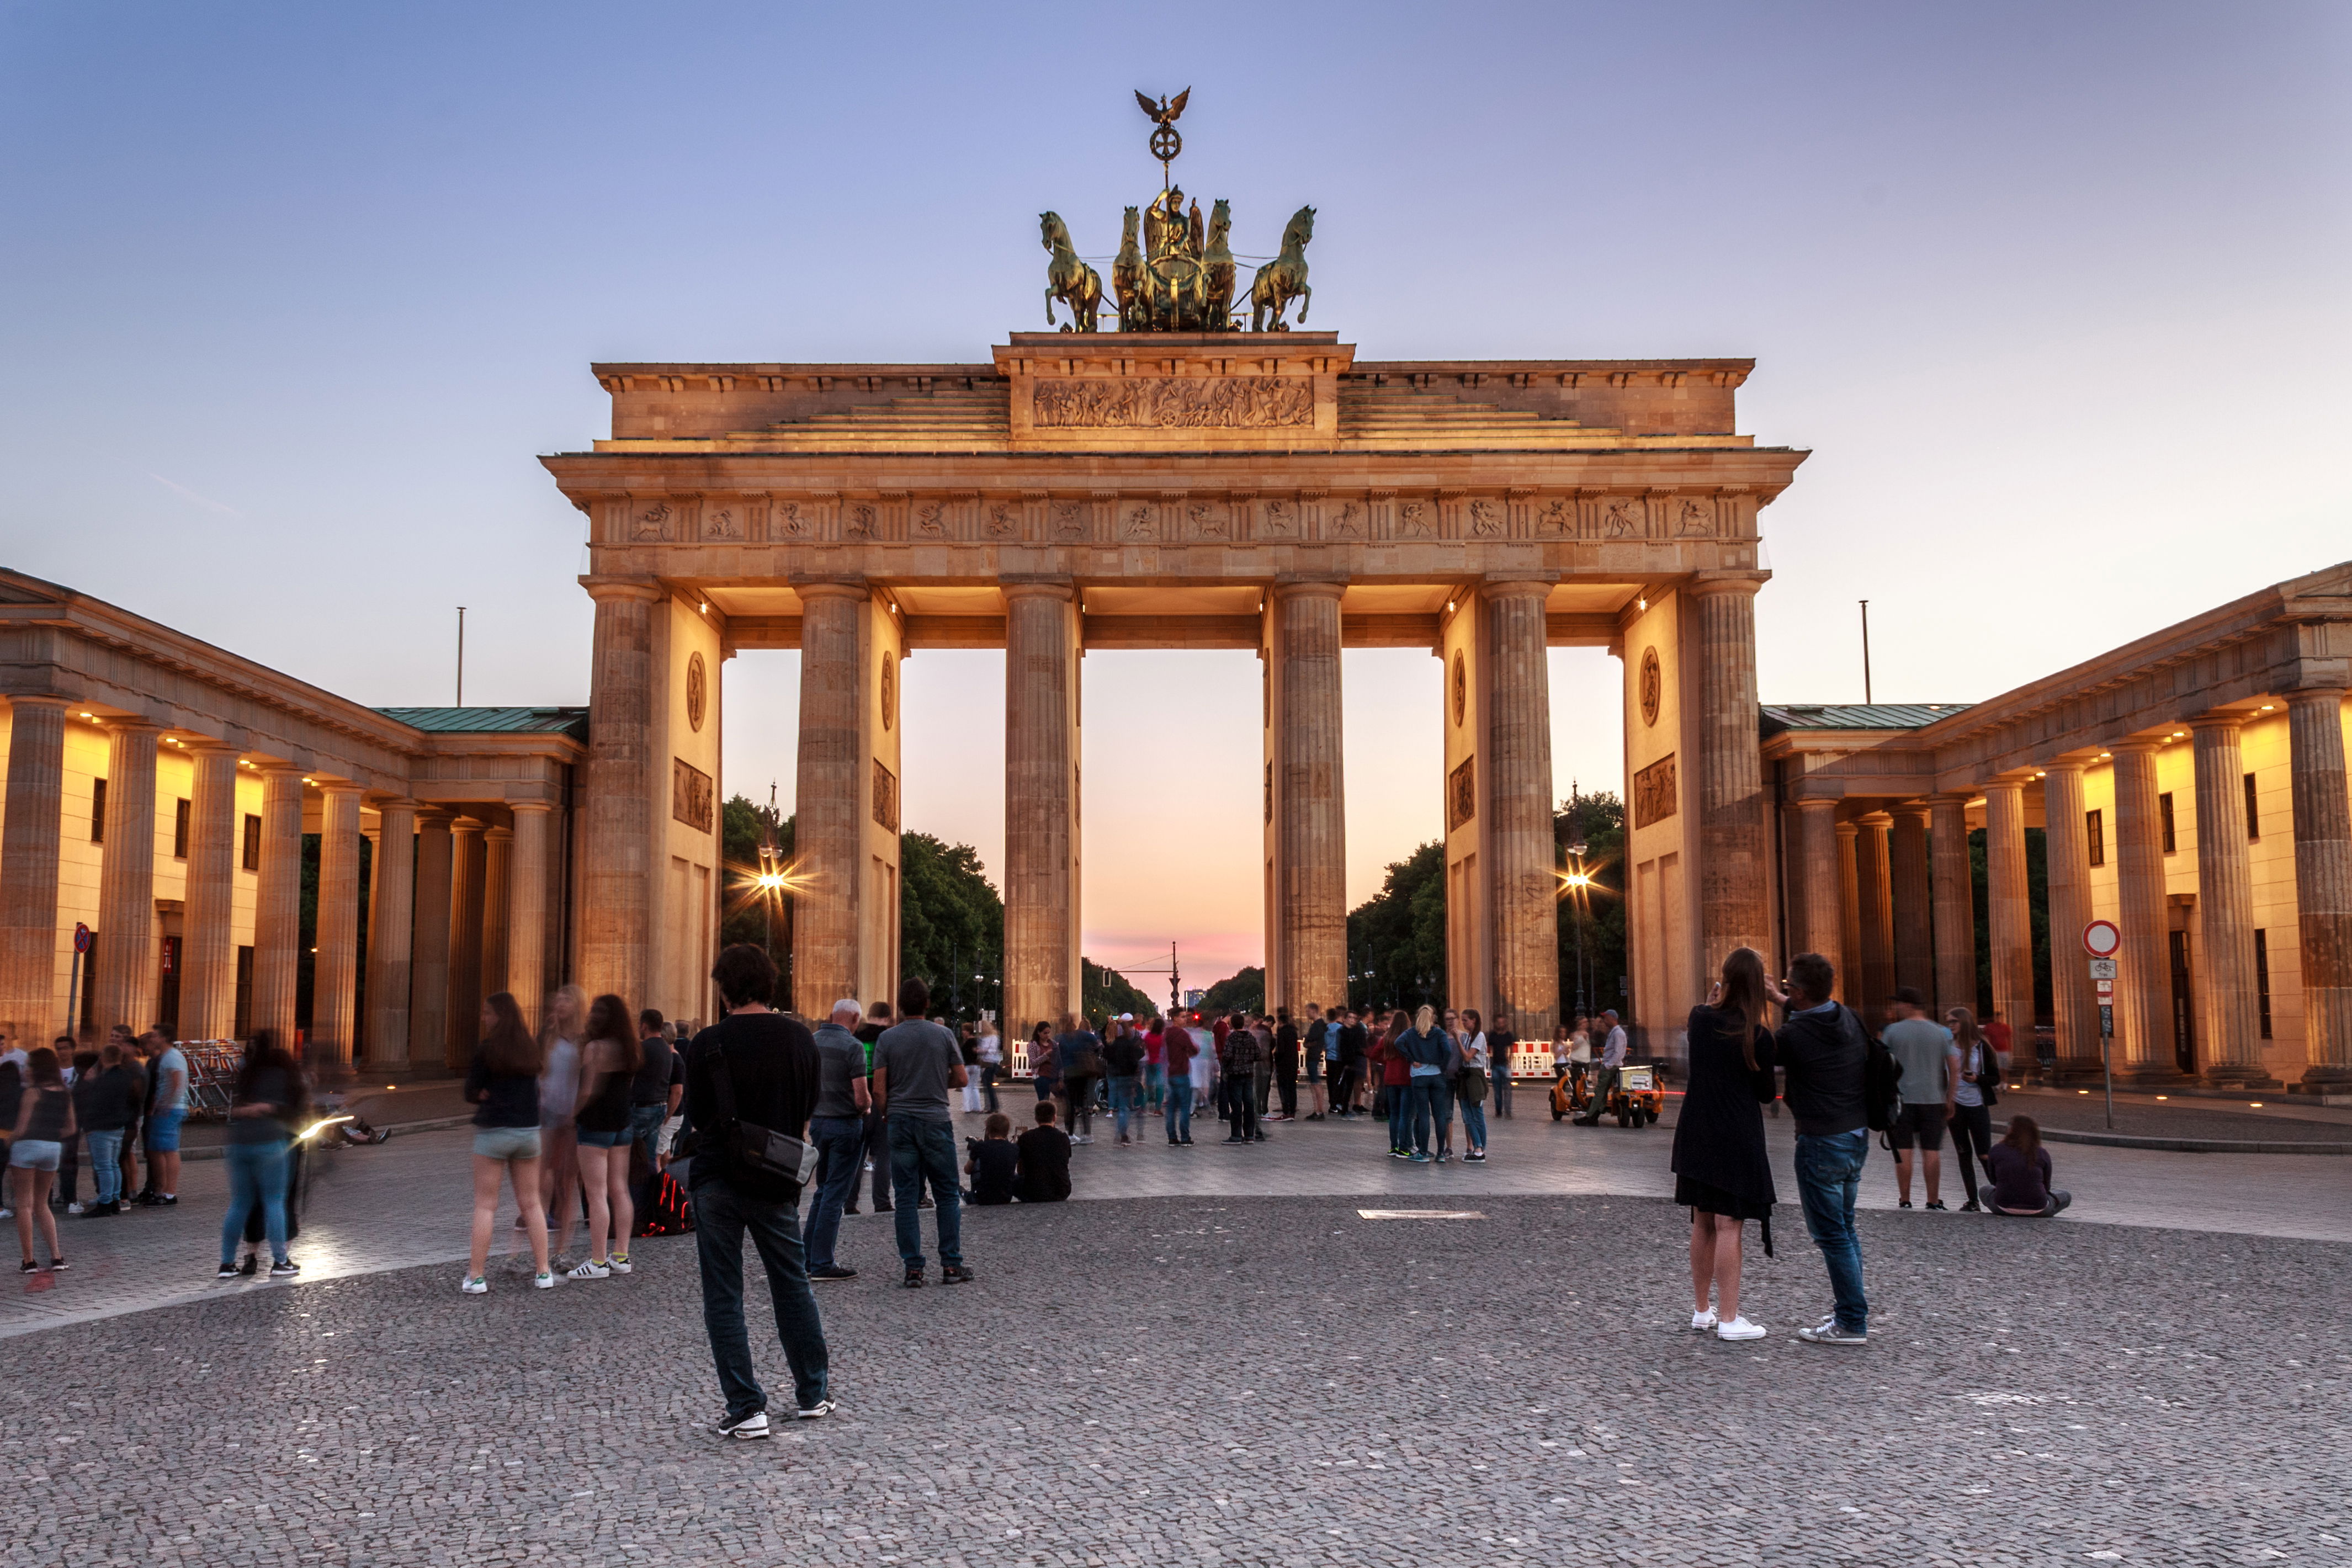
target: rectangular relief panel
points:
(692, 794)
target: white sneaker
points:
(1702, 1322)
(755, 1425)
(75, 1207)
(475, 1285)
(589, 1269)
(542, 1281)
(1739, 1328)
(619, 1262)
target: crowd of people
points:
(579, 1119)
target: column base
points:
(2146, 1077)
(2324, 1080)
(2248, 1079)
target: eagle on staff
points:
(1165, 141)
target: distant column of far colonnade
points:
(1107, 490)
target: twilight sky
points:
(2056, 295)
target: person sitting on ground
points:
(992, 1162)
(2020, 1175)
(1042, 1171)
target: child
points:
(1044, 1174)
(993, 1160)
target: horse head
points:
(1126, 227)
(1053, 230)
(1221, 221)
(1301, 228)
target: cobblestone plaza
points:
(1219, 1359)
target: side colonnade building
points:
(160, 792)
(2189, 787)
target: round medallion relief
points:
(1652, 685)
(698, 693)
(1461, 688)
(889, 690)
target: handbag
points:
(748, 1147)
(1988, 1078)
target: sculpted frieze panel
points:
(1416, 519)
(1223, 402)
(1623, 516)
(1346, 520)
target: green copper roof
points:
(1778, 717)
(570, 721)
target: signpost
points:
(2101, 939)
(73, 980)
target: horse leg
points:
(1049, 305)
(1305, 295)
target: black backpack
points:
(1882, 1080)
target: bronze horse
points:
(1072, 281)
(1284, 278)
(1217, 269)
(1127, 278)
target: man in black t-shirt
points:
(1500, 1043)
(650, 1099)
(770, 1063)
(1042, 1174)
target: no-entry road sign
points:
(2100, 938)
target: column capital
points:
(2221, 720)
(855, 588)
(392, 803)
(131, 724)
(465, 824)
(1847, 829)
(2136, 744)
(1915, 809)
(497, 835)
(1037, 588)
(644, 590)
(1880, 818)
(2317, 694)
(333, 787)
(535, 807)
(1309, 586)
(432, 816)
(1519, 585)
(1726, 581)
(2066, 765)
(1818, 802)
(38, 699)
(277, 770)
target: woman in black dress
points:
(1721, 1174)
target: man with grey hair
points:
(837, 1128)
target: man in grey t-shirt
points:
(1923, 1048)
(837, 1127)
(916, 1063)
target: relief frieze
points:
(1178, 403)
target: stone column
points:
(32, 837)
(125, 986)
(2323, 882)
(278, 903)
(497, 907)
(207, 931)
(335, 971)
(1875, 898)
(2230, 1006)
(830, 789)
(2143, 970)
(1518, 843)
(1819, 931)
(2009, 909)
(390, 932)
(1734, 911)
(1850, 987)
(1956, 902)
(1311, 893)
(1041, 892)
(2074, 1006)
(1914, 939)
(527, 907)
(428, 987)
(617, 864)
(466, 868)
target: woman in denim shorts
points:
(503, 1085)
(44, 1124)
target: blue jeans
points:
(1126, 1097)
(1155, 1084)
(925, 1151)
(841, 1160)
(1180, 1110)
(644, 1127)
(257, 1173)
(1474, 1124)
(1399, 1096)
(1829, 1173)
(106, 1163)
(1423, 1098)
(721, 1215)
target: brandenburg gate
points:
(1176, 484)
